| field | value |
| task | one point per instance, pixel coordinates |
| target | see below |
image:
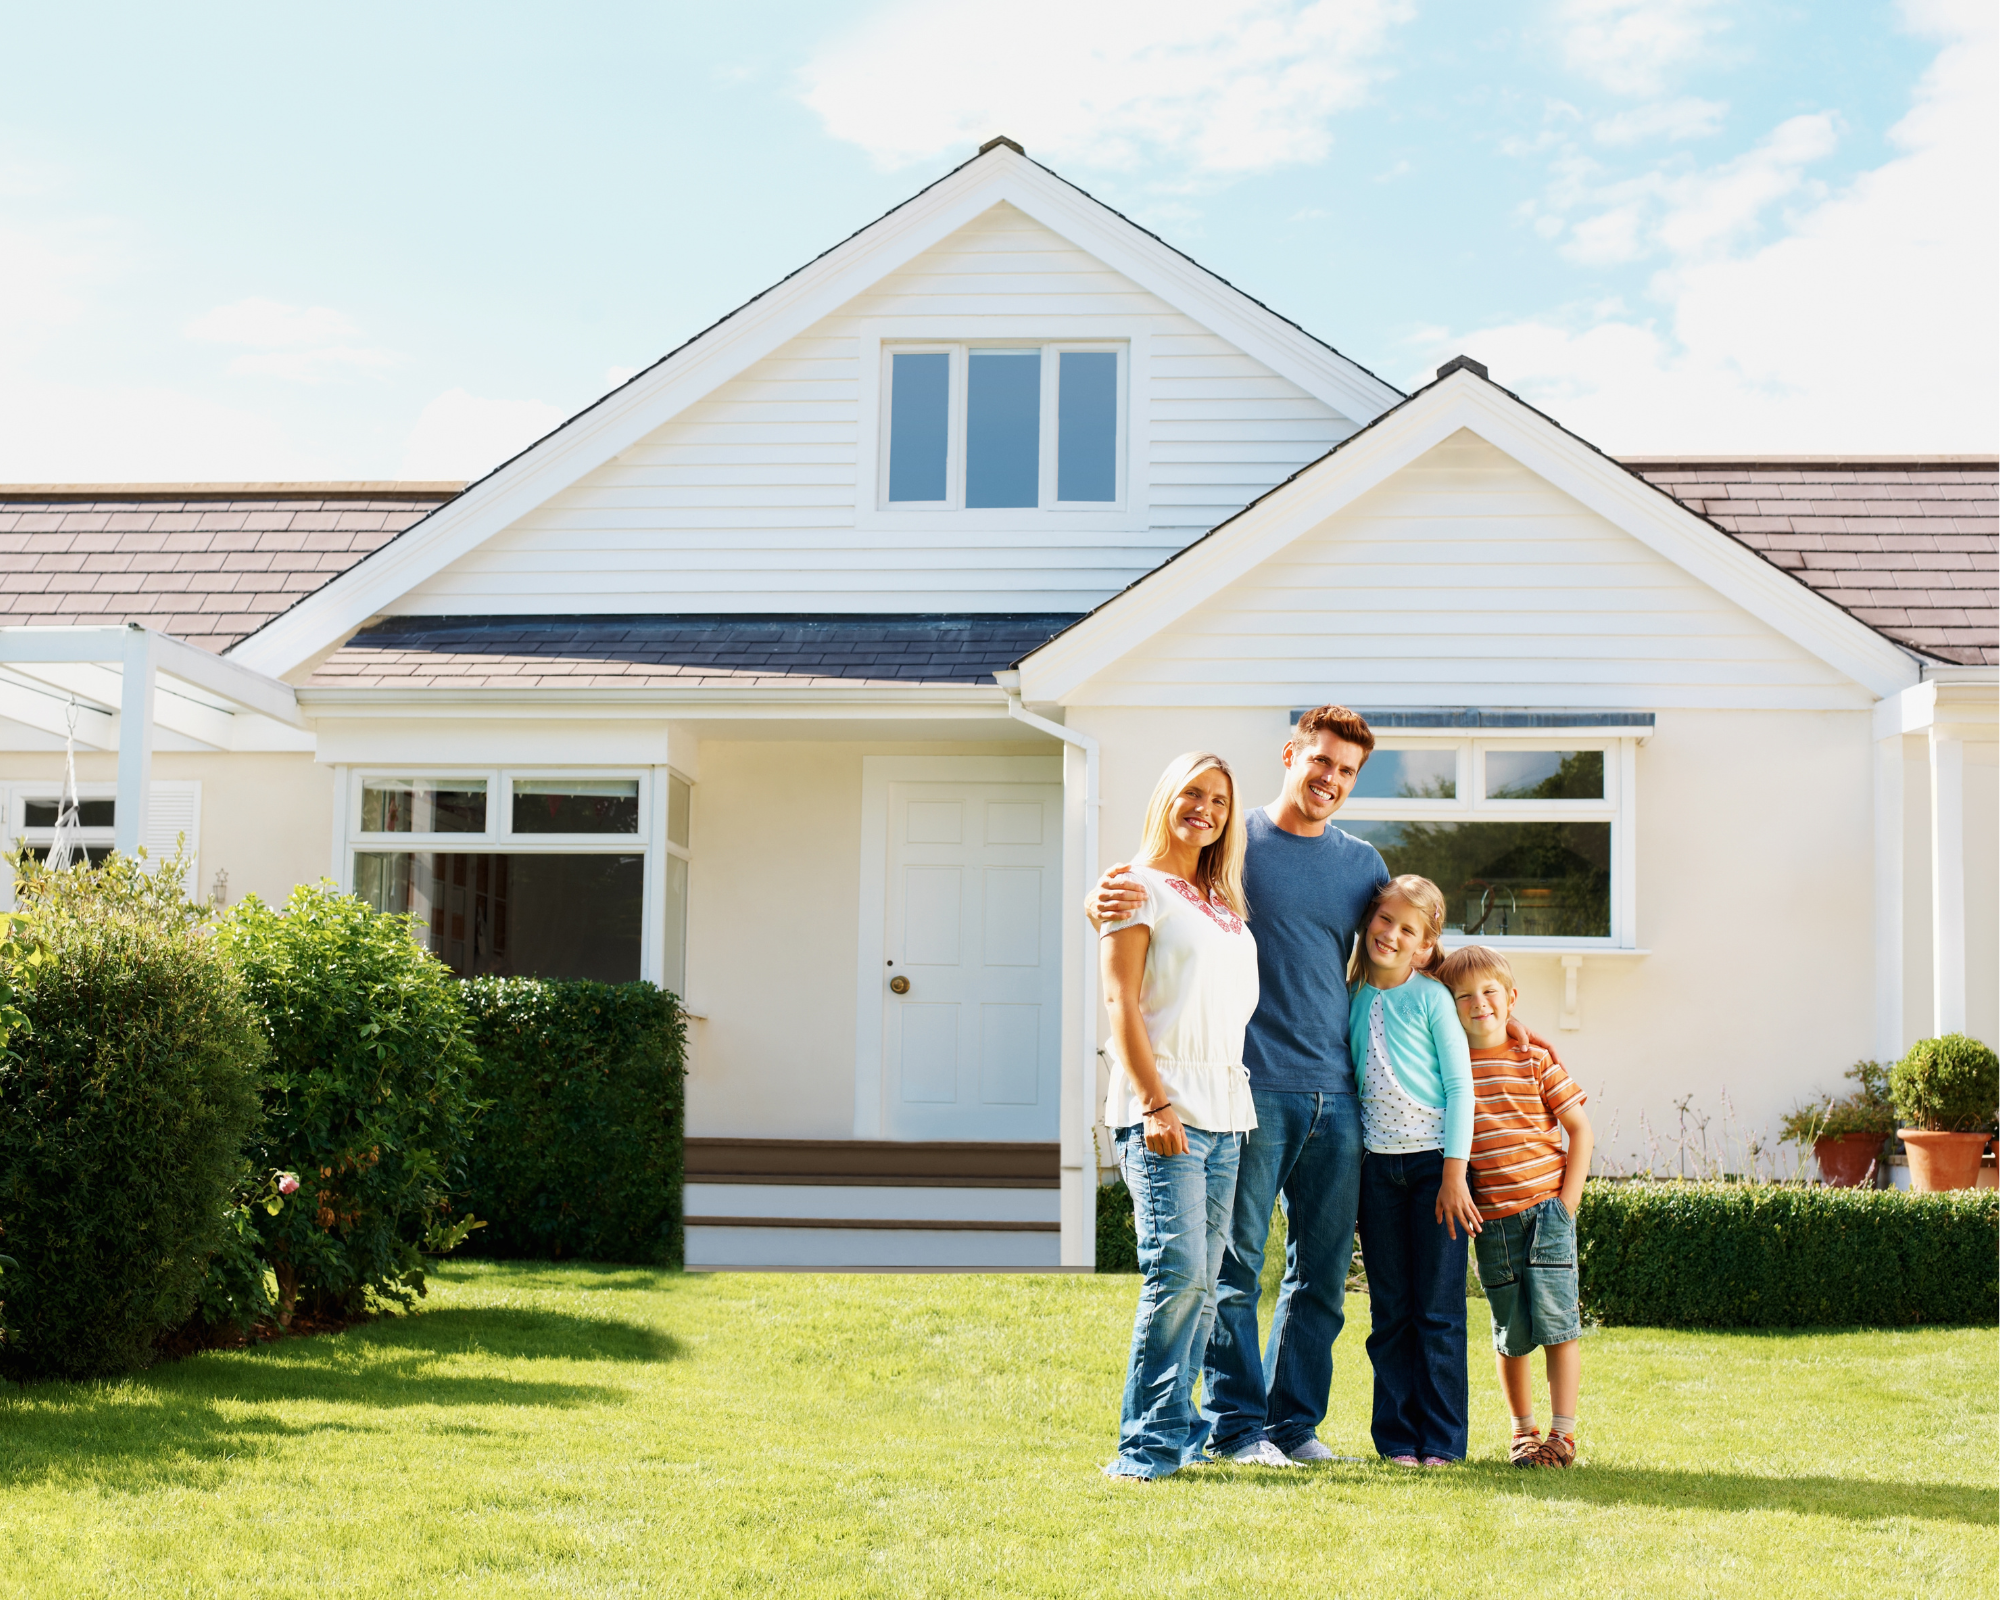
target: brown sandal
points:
(1522, 1451)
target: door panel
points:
(972, 1045)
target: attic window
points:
(1003, 426)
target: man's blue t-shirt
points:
(1307, 898)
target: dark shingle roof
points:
(1909, 545)
(710, 650)
(208, 563)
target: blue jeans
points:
(1306, 1147)
(1181, 1206)
(1416, 1299)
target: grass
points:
(598, 1431)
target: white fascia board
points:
(656, 396)
(928, 700)
(1462, 400)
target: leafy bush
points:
(127, 1092)
(1947, 1085)
(369, 1097)
(579, 1152)
(1719, 1255)
(1117, 1229)
(1866, 1110)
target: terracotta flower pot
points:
(1844, 1158)
(1942, 1160)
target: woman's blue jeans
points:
(1182, 1206)
(1416, 1303)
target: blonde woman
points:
(1180, 981)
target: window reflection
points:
(1507, 879)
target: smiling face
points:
(1397, 938)
(1201, 810)
(1320, 773)
(1485, 1001)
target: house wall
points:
(1754, 838)
(747, 500)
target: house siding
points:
(747, 501)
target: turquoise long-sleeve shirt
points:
(1427, 1051)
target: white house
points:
(815, 673)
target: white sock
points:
(1524, 1424)
(1562, 1425)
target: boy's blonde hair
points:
(1422, 896)
(1474, 961)
(1218, 872)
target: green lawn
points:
(601, 1431)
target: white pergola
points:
(120, 684)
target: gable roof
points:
(1463, 397)
(1000, 173)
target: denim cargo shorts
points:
(1527, 1266)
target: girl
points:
(1413, 1071)
(1180, 980)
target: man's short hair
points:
(1474, 961)
(1343, 724)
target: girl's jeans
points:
(1416, 1299)
(1182, 1206)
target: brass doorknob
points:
(899, 984)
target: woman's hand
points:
(1165, 1133)
(1454, 1201)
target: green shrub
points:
(369, 1098)
(1724, 1255)
(579, 1153)
(1117, 1229)
(1866, 1110)
(127, 1092)
(1948, 1085)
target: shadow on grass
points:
(517, 1334)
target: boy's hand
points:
(1116, 896)
(1519, 1034)
(1454, 1202)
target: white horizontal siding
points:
(747, 500)
(1465, 579)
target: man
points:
(1309, 886)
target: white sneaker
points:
(1312, 1452)
(1262, 1454)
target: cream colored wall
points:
(773, 912)
(267, 818)
(1982, 891)
(1754, 890)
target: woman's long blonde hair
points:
(1218, 873)
(1423, 897)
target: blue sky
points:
(376, 241)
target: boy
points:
(1527, 1194)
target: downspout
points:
(1010, 682)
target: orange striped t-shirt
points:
(1517, 1156)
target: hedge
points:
(1716, 1255)
(579, 1153)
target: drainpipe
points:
(1078, 1193)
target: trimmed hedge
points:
(1117, 1229)
(1716, 1255)
(579, 1153)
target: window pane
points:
(1408, 775)
(1003, 428)
(96, 854)
(1087, 426)
(516, 915)
(1524, 879)
(423, 805)
(1545, 774)
(675, 945)
(919, 407)
(89, 813)
(679, 798)
(572, 805)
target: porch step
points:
(869, 1205)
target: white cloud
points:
(1628, 45)
(130, 433)
(1225, 86)
(1685, 118)
(463, 436)
(302, 344)
(1871, 326)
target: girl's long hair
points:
(1423, 896)
(1218, 873)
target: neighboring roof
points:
(1908, 544)
(686, 651)
(206, 562)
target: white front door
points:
(971, 981)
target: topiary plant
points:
(1948, 1085)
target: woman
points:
(1180, 980)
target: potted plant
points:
(1948, 1091)
(1846, 1134)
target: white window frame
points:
(183, 793)
(1618, 807)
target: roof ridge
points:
(301, 489)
